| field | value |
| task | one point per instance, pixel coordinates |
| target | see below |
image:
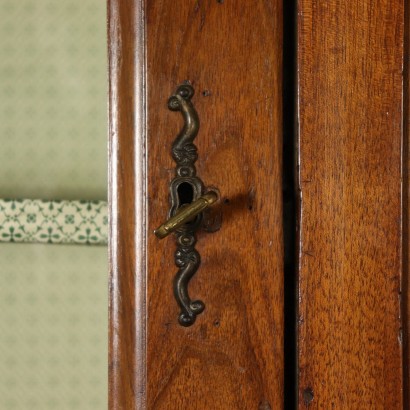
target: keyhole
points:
(185, 193)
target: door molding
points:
(128, 204)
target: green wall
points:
(53, 130)
(53, 93)
(53, 327)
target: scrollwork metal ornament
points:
(185, 154)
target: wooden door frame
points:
(128, 201)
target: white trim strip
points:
(58, 222)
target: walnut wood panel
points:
(350, 57)
(232, 357)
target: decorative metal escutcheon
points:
(188, 201)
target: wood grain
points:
(127, 202)
(406, 209)
(232, 358)
(350, 57)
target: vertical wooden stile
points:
(350, 108)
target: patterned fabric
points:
(53, 110)
(27, 220)
(53, 131)
(53, 327)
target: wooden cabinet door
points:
(351, 188)
(231, 53)
(350, 324)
